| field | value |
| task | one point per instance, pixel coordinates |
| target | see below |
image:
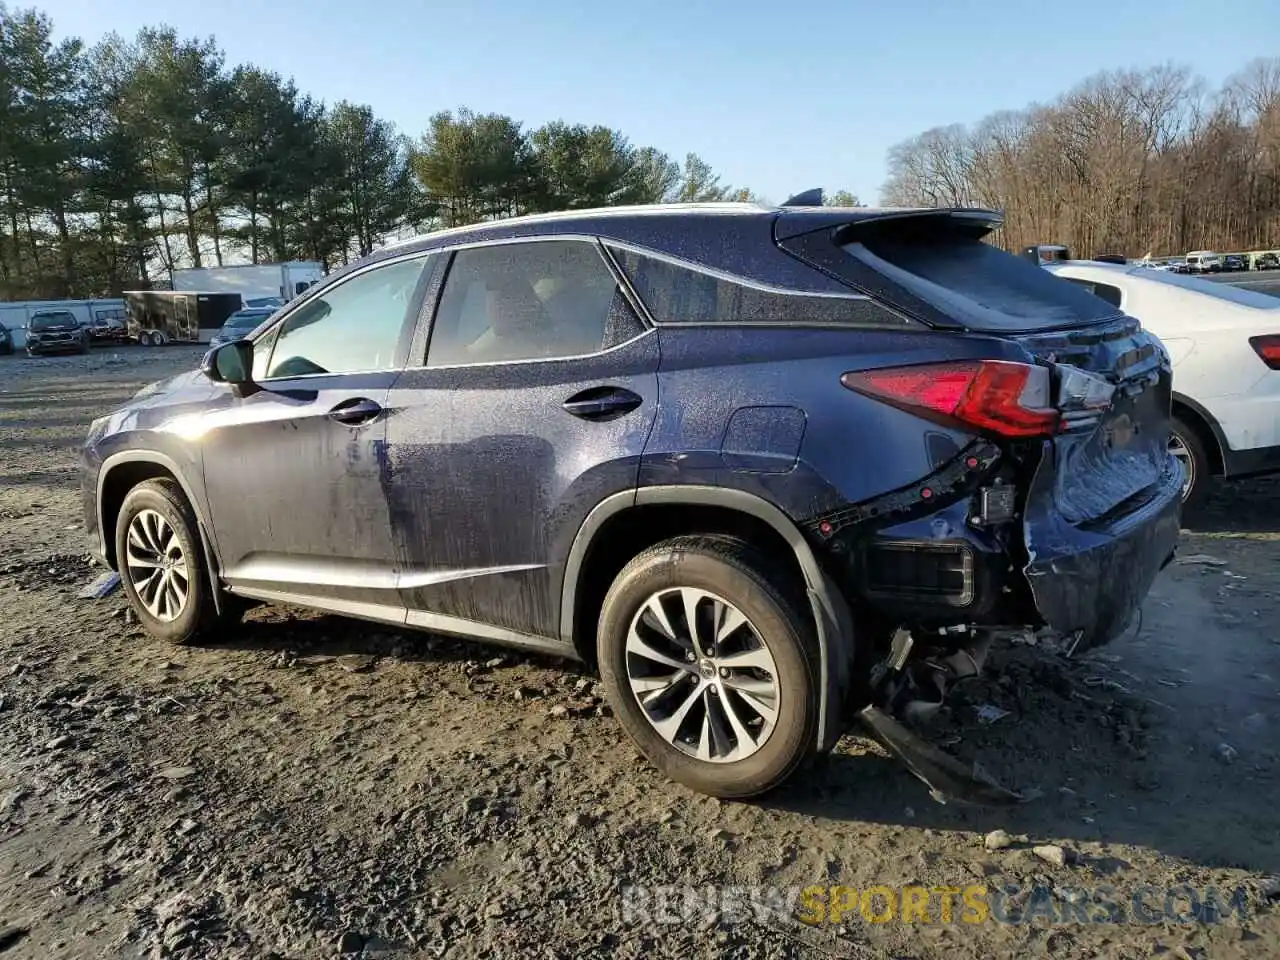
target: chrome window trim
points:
(728, 277)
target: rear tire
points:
(157, 537)
(1186, 444)
(740, 729)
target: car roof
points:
(622, 222)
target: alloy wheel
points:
(1178, 447)
(702, 675)
(157, 566)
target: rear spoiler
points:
(852, 222)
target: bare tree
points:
(1128, 161)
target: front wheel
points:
(707, 655)
(161, 564)
(1186, 445)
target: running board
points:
(945, 776)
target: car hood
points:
(178, 386)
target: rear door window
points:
(535, 300)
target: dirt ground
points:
(310, 786)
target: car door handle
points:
(602, 403)
(355, 411)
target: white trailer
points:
(103, 317)
(253, 281)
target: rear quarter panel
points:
(761, 409)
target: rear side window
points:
(977, 284)
(536, 300)
(674, 293)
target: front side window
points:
(355, 327)
(525, 301)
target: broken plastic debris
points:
(947, 778)
(989, 713)
(1201, 559)
(100, 586)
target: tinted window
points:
(976, 283)
(1104, 290)
(355, 326)
(246, 321)
(43, 321)
(679, 294)
(524, 301)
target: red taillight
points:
(1268, 348)
(995, 396)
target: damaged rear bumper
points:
(1090, 579)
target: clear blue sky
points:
(777, 96)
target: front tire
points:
(1186, 445)
(161, 562)
(730, 707)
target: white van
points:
(1204, 261)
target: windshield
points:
(244, 321)
(44, 321)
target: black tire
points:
(776, 609)
(1194, 499)
(198, 616)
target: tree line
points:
(1128, 162)
(124, 160)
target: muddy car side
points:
(771, 469)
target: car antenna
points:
(806, 198)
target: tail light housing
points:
(1268, 348)
(989, 396)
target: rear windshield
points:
(979, 285)
(43, 321)
(1230, 292)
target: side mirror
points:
(230, 363)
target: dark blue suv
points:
(767, 467)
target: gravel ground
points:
(310, 786)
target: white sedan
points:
(1224, 342)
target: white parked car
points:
(1224, 342)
